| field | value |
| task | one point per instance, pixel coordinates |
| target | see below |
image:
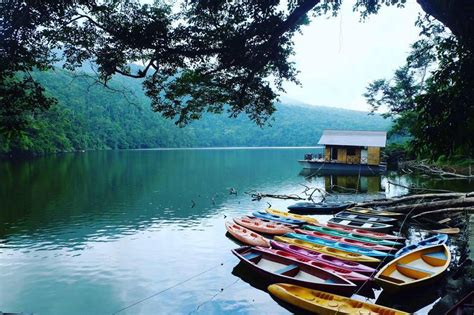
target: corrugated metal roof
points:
(354, 138)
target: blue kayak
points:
(338, 245)
(276, 218)
(434, 240)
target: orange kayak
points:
(246, 236)
(264, 226)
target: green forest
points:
(89, 116)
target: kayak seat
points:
(391, 279)
(328, 281)
(286, 269)
(413, 272)
(251, 256)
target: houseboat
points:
(348, 151)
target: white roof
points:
(356, 138)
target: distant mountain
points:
(90, 116)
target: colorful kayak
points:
(292, 216)
(281, 269)
(465, 306)
(370, 211)
(338, 245)
(276, 218)
(264, 226)
(246, 236)
(356, 224)
(362, 217)
(362, 232)
(333, 261)
(414, 269)
(317, 208)
(430, 241)
(352, 236)
(345, 273)
(325, 303)
(347, 241)
(329, 250)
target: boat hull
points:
(364, 225)
(277, 218)
(434, 240)
(363, 217)
(316, 208)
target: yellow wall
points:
(373, 156)
(327, 154)
(341, 155)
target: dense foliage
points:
(90, 116)
(431, 96)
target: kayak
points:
(338, 245)
(281, 269)
(370, 211)
(246, 236)
(362, 232)
(325, 303)
(333, 261)
(344, 240)
(264, 226)
(351, 236)
(362, 217)
(329, 250)
(292, 216)
(276, 218)
(430, 241)
(418, 268)
(371, 226)
(317, 208)
(345, 273)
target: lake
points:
(142, 232)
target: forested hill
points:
(89, 116)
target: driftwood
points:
(424, 167)
(445, 210)
(413, 198)
(259, 196)
(434, 205)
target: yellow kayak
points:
(414, 269)
(341, 254)
(370, 211)
(324, 303)
(292, 216)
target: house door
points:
(363, 156)
(334, 154)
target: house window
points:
(351, 151)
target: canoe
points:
(317, 208)
(329, 250)
(345, 273)
(325, 303)
(351, 236)
(333, 261)
(292, 216)
(246, 236)
(281, 269)
(362, 232)
(370, 211)
(465, 306)
(338, 245)
(362, 217)
(371, 226)
(276, 218)
(264, 226)
(430, 241)
(344, 240)
(420, 267)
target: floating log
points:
(407, 199)
(433, 205)
(442, 211)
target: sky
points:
(338, 57)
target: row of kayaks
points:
(311, 262)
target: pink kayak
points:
(345, 240)
(377, 235)
(246, 236)
(343, 272)
(309, 254)
(264, 226)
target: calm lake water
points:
(142, 232)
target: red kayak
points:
(377, 235)
(246, 236)
(336, 262)
(264, 226)
(345, 240)
(345, 273)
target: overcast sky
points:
(338, 57)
